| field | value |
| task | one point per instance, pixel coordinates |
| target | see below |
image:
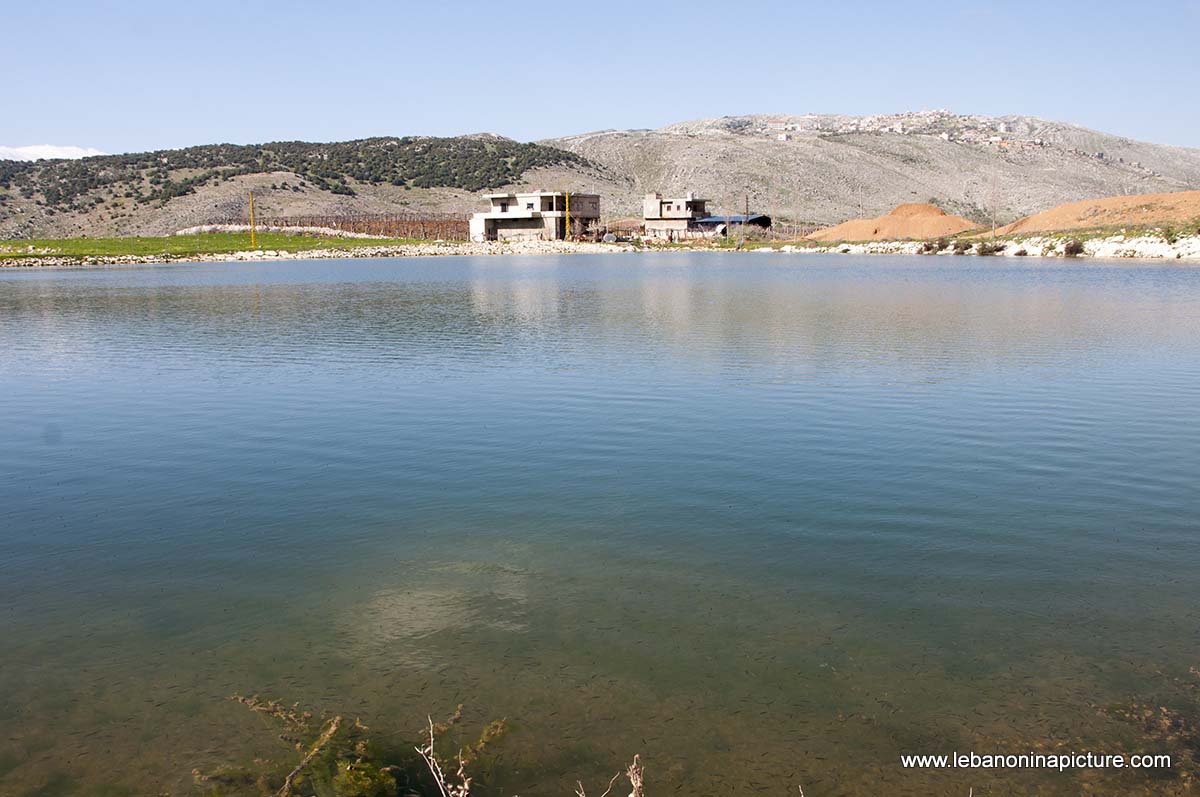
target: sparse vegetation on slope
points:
(470, 163)
(1115, 212)
(826, 169)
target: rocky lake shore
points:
(1144, 247)
(1138, 247)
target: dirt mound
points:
(912, 221)
(1115, 211)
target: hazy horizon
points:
(73, 151)
(145, 76)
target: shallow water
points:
(763, 520)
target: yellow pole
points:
(253, 237)
(568, 193)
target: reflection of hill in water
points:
(792, 316)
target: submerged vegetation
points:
(332, 756)
(1167, 721)
(324, 755)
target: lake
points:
(767, 521)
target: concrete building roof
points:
(537, 193)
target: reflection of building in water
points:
(668, 300)
(495, 291)
(535, 216)
(795, 326)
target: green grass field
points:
(181, 245)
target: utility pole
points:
(568, 193)
(993, 203)
(745, 218)
(253, 236)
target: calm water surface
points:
(764, 520)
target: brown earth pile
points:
(911, 221)
(1115, 211)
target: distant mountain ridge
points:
(826, 168)
(810, 168)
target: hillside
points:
(1182, 208)
(207, 183)
(814, 169)
(824, 169)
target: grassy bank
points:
(177, 246)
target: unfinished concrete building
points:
(535, 216)
(672, 219)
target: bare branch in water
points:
(341, 760)
(447, 789)
(635, 777)
(580, 792)
(317, 747)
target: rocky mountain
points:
(827, 168)
(813, 169)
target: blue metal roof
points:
(731, 219)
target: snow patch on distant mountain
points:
(35, 152)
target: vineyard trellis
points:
(425, 226)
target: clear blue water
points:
(764, 520)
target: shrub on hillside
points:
(1073, 247)
(988, 248)
(961, 247)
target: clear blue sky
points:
(128, 76)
